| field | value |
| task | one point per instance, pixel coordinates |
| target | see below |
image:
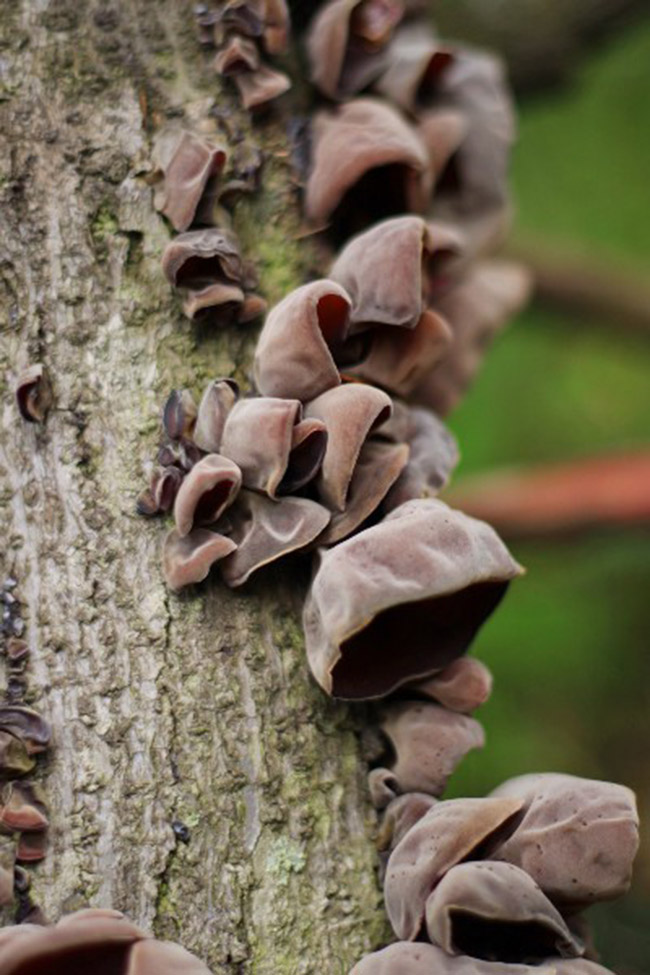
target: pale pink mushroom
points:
(209, 488)
(462, 686)
(188, 558)
(188, 162)
(218, 400)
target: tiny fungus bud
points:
(188, 558)
(462, 686)
(202, 257)
(209, 488)
(188, 164)
(452, 831)
(179, 414)
(402, 599)
(237, 54)
(294, 358)
(34, 394)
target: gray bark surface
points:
(198, 707)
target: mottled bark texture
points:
(197, 707)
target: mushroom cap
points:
(496, 911)
(188, 558)
(577, 838)
(258, 437)
(22, 808)
(350, 412)
(188, 162)
(400, 815)
(293, 358)
(476, 310)
(27, 725)
(407, 958)
(163, 958)
(432, 458)
(462, 686)
(219, 301)
(449, 833)
(357, 137)
(261, 86)
(428, 742)
(402, 599)
(237, 54)
(209, 488)
(201, 257)
(216, 403)
(418, 61)
(266, 530)
(14, 757)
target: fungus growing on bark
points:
(261, 86)
(266, 530)
(22, 808)
(452, 831)
(179, 414)
(187, 164)
(417, 62)
(100, 941)
(160, 496)
(368, 163)
(294, 357)
(400, 815)
(274, 449)
(427, 743)
(391, 271)
(495, 911)
(27, 725)
(577, 838)
(216, 403)
(462, 686)
(14, 757)
(188, 558)
(34, 393)
(402, 599)
(347, 44)
(476, 309)
(209, 488)
(433, 454)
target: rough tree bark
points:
(195, 708)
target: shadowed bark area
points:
(196, 708)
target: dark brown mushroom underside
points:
(505, 941)
(196, 272)
(333, 311)
(211, 501)
(412, 639)
(98, 959)
(382, 192)
(304, 462)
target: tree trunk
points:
(196, 708)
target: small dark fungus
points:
(201, 257)
(261, 86)
(477, 309)
(258, 437)
(188, 558)
(462, 686)
(367, 163)
(216, 403)
(14, 757)
(26, 724)
(241, 17)
(92, 940)
(159, 498)
(400, 815)
(32, 847)
(433, 456)
(22, 808)
(377, 468)
(188, 163)
(179, 414)
(209, 488)
(237, 54)
(347, 44)
(17, 650)
(496, 911)
(265, 530)
(7, 867)
(34, 393)
(402, 599)
(350, 413)
(452, 831)
(427, 742)
(577, 839)
(294, 358)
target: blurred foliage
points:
(569, 645)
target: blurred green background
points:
(570, 645)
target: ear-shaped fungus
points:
(462, 686)
(14, 757)
(294, 358)
(407, 958)
(188, 558)
(22, 808)
(266, 530)
(209, 488)
(417, 63)
(495, 911)
(260, 86)
(400, 815)
(453, 831)
(390, 271)
(92, 940)
(577, 839)
(347, 44)
(433, 456)
(188, 164)
(368, 163)
(402, 599)
(350, 413)
(260, 437)
(476, 310)
(427, 743)
(34, 393)
(27, 725)
(216, 403)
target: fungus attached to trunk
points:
(294, 357)
(400, 815)
(577, 839)
(451, 832)
(402, 599)
(99, 941)
(427, 742)
(22, 808)
(209, 488)
(34, 393)
(216, 403)
(463, 686)
(495, 911)
(188, 163)
(188, 558)
(368, 163)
